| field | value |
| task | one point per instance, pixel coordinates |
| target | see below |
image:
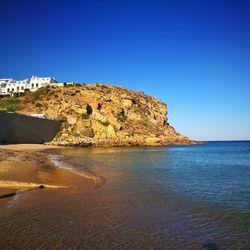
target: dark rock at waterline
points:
(210, 246)
(7, 195)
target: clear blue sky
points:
(193, 55)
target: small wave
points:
(59, 161)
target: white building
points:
(3, 83)
(38, 82)
(9, 86)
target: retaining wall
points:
(15, 129)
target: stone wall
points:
(15, 128)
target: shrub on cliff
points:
(52, 92)
(38, 105)
(106, 123)
(42, 91)
(10, 104)
(85, 116)
(121, 117)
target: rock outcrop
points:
(103, 115)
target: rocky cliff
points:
(103, 115)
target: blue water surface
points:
(185, 197)
(217, 173)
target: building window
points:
(32, 85)
(22, 88)
(8, 90)
(17, 88)
(37, 84)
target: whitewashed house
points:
(38, 82)
(3, 83)
(10, 86)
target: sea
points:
(169, 197)
(173, 197)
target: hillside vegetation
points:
(103, 115)
(10, 104)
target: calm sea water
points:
(176, 197)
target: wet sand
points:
(36, 196)
(27, 147)
(26, 168)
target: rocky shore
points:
(103, 115)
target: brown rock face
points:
(104, 115)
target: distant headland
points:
(92, 114)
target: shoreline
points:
(29, 167)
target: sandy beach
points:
(27, 167)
